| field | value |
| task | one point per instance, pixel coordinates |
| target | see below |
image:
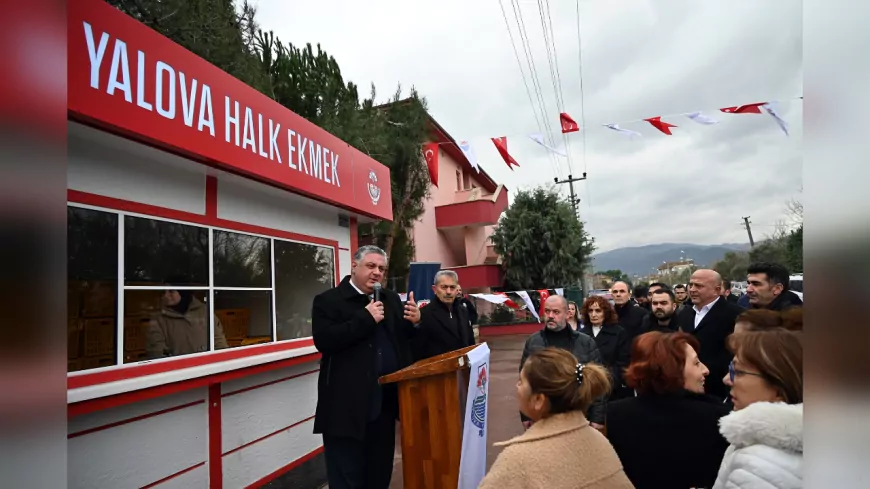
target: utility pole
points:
(570, 181)
(574, 201)
(746, 223)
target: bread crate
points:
(99, 337)
(235, 322)
(136, 332)
(74, 339)
(135, 356)
(88, 363)
(98, 299)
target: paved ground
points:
(503, 418)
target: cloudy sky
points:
(640, 58)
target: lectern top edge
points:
(440, 364)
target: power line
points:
(557, 79)
(530, 60)
(582, 98)
(523, 75)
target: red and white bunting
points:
(501, 146)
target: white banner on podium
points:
(472, 462)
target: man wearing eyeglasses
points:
(710, 319)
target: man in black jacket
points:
(710, 319)
(444, 323)
(360, 339)
(630, 315)
(468, 304)
(767, 287)
(556, 333)
(664, 308)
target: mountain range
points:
(641, 260)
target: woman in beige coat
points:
(560, 450)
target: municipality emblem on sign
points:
(478, 408)
(374, 189)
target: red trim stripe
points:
(173, 476)
(215, 444)
(273, 382)
(354, 234)
(270, 435)
(287, 468)
(132, 420)
(211, 197)
(140, 370)
(98, 404)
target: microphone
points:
(377, 291)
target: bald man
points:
(710, 319)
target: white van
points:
(796, 285)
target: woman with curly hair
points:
(599, 321)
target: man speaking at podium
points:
(363, 332)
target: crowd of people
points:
(682, 388)
(679, 389)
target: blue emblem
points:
(478, 407)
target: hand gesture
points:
(376, 309)
(412, 312)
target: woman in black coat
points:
(599, 321)
(667, 436)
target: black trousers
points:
(367, 464)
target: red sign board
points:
(127, 78)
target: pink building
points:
(459, 218)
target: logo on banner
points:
(478, 408)
(374, 189)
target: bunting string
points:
(568, 125)
(701, 117)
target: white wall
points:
(265, 426)
(268, 427)
(111, 166)
(107, 165)
(139, 444)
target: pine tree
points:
(542, 242)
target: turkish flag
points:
(744, 109)
(661, 125)
(430, 152)
(568, 124)
(545, 294)
(501, 146)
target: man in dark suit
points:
(360, 339)
(630, 314)
(444, 323)
(710, 319)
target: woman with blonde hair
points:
(766, 428)
(560, 449)
(573, 315)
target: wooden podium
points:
(432, 395)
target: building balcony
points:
(472, 208)
(479, 276)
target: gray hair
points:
(368, 250)
(445, 273)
